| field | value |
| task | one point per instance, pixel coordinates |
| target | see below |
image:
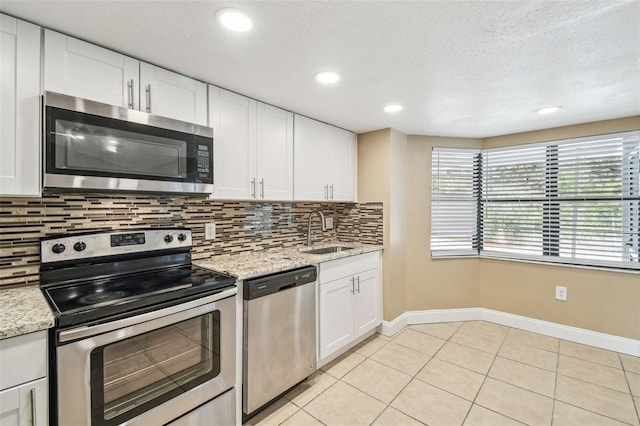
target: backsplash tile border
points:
(240, 225)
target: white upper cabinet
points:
(274, 153)
(233, 120)
(19, 107)
(325, 162)
(341, 164)
(172, 95)
(253, 148)
(309, 163)
(76, 68)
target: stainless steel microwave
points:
(92, 146)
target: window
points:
(572, 201)
(454, 202)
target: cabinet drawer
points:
(336, 269)
(23, 358)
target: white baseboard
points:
(565, 332)
(389, 328)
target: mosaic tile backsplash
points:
(240, 226)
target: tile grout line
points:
(626, 376)
(495, 356)
(419, 370)
(410, 380)
(485, 378)
(555, 386)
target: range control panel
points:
(88, 245)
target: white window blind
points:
(454, 202)
(572, 201)
(513, 196)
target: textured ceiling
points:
(461, 68)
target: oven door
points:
(147, 371)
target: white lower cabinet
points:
(350, 301)
(25, 404)
(23, 383)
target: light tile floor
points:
(465, 373)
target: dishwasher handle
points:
(270, 284)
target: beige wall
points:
(433, 283)
(378, 173)
(598, 300)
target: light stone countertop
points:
(23, 310)
(246, 265)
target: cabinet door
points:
(76, 68)
(336, 315)
(18, 404)
(232, 117)
(19, 107)
(367, 307)
(274, 153)
(341, 169)
(172, 95)
(309, 164)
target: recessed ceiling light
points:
(327, 77)
(234, 20)
(393, 108)
(548, 110)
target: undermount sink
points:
(325, 250)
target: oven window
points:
(134, 375)
(85, 147)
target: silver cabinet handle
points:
(358, 279)
(326, 192)
(262, 188)
(147, 91)
(253, 188)
(130, 93)
(353, 285)
(32, 394)
(332, 191)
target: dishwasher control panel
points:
(269, 284)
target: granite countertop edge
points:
(23, 310)
(247, 265)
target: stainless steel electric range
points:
(142, 336)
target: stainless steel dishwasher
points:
(279, 343)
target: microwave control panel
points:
(203, 158)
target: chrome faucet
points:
(324, 227)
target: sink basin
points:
(325, 250)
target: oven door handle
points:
(83, 332)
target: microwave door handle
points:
(147, 91)
(130, 93)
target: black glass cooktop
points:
(91, 301)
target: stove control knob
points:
(79, 246)
(168, 238)
(182, 237)
(58, 248)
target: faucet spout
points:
(324, 226)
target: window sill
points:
(538, 262)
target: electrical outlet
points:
(561, 293)
(210, 231)
(329, 223)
